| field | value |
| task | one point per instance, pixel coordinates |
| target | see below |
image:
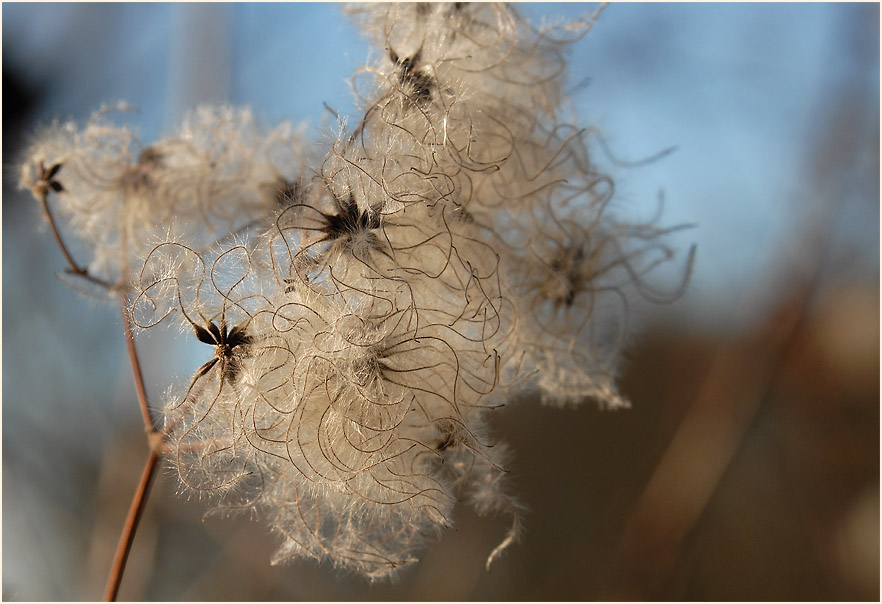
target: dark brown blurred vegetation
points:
(761, 452)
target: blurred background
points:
(748, 468)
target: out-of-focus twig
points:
(740, 379)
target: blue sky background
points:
(739, 89)
(746, 92)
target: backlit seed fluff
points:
(364, 313)
(215, 175)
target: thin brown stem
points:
(131, 525)
(73, 265)
(136, 367)
(154, 440)
(75, 268)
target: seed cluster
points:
(368, 309)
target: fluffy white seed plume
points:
(452, 250)
(335, 419)
(213, 177)
(365, 315)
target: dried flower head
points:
(366, 315)
(120, 197)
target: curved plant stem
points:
(154, 439)
(136, 368)
(128, 534)
(74, 267)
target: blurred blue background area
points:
(739, 90)
(773, 110)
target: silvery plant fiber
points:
(368, 305)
